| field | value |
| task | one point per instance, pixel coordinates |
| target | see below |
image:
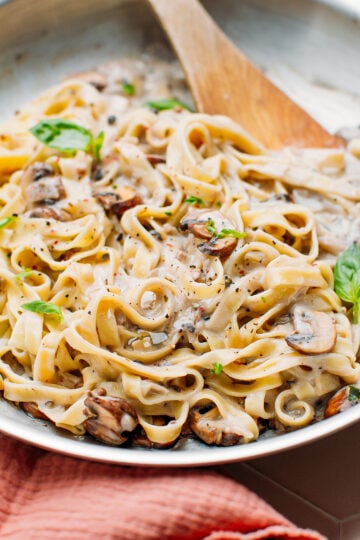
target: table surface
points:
(315, 486)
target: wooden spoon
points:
(223, 81)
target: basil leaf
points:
(217, 368)
(165, 104)
(230, 232)
(354, 393)
(347, 278)
(128, 88)
(47, 308)
(63, 135)
(196, 201)
(98, 142)
(6, 221)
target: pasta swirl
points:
(176, 268)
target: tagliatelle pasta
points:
(186, 272)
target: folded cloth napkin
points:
(49, 497)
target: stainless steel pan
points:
(308, 48)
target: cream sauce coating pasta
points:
(180, 301)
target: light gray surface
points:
(309, 49)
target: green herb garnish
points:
(230, 232)
(47, 308)
(210, 226)
(165, 104)
(128, 88)
(217, 368)
(354, 393)
(195, 201)
(263, 299)
(6, 221)
(97, 145)
(21, 276)
(347, 278)
(66, 136)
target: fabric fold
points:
(48, 496)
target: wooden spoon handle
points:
(223, 81)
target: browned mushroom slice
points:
(117, 202)
(203, 223)
(32, 409)
(50, 213)
(343, 399)
(109, 419)
(208, 224)
(35, 172)
(315, 331)
(49, 189)
(211, 428)
(218, 247)
(92, 77)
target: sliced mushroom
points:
(31, 408)
(343, 399)
(50, 213)
(92, 77)
(140, 438)
(207, 224)
(211, 428)
(315, 331)
(109, 419)
(197, 221)
(218, 247)
(117, 202)
(35, 172)
(46, 190)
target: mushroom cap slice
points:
(315, 331)
(46, 189)
(117, 202)
(207, 224)
(211, 428)
(343, 399)
(35, 172)
(109, 419)
(197, 221)
(31, 408)
(46, 212)
(218, 247)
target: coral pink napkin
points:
(50, 497)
